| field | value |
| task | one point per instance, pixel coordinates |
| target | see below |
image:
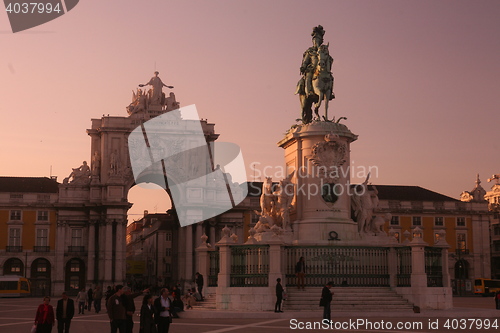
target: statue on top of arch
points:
(142, 100)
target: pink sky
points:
(417, 80)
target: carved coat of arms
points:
(328, 156)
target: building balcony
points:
(14, 249)
(76, 249)
(41, 248)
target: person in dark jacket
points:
(128, 302)
(199, 283)
(90, 298)
(279, 295)
(65, 311)
(326, 300)
(162, 311)
(147, 324)
(300, 271)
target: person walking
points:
(81, 299)
(97, 296)
(199, 283)
(147, 323)
(44, 318)
(300, 271)
(326, 300)
(279, 295)
(117, 311)
(162, 307)
(90, 299)
(65, 311)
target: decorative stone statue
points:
(156, 94)
(139, 102)
(96, 164)
(79, 175)
(364, 202)
(113, 165)
(284, 197)
(495, 177)
(316, 83)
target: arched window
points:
(13, 266)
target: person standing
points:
(117, 311)
(147, 315)
(44, 318)
(65, 311)
(128, 302)
(300, 271)
(81, 299)
(326, 300)
(199, 283)
(162, 307)
(279, 295)
(97, 296)
(90, 299)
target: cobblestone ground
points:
(16, 316)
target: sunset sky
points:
(418, 81)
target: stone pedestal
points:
(319, 152)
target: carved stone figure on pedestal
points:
(113, 165)
(364, 202)
(156, 95)
(283, 200)
(316, 83)
(79, 175)
(96, 164)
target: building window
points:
(15, 237)
(439, 205)
(168, 252)
(43, 197)
(42, 237)
(394, 204)
(439, 221)
(41, 267)
(395, 220)
(168, 236)
(15, 215)
(168, 268)
(16, 196)
(417, 205)
(74, 266)
(42, 215)
(461, 242)
(76, 237)
(417, 220)
(496, 230)
(460, 221)
(497, 246)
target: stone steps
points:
(348, 299)
(207, 304)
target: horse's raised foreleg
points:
(318, 104)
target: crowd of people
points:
(155, 313)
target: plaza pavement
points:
(16, 316)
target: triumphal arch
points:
(93, 205)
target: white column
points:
(108, 258)
(91, 252)
(189, 252)
(119, 252)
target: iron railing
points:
(434, 266)
(347, 266)
(77, 249)
(403, 276)
(213, 268)
(41, 248)
(249, 266)
(14, 248)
